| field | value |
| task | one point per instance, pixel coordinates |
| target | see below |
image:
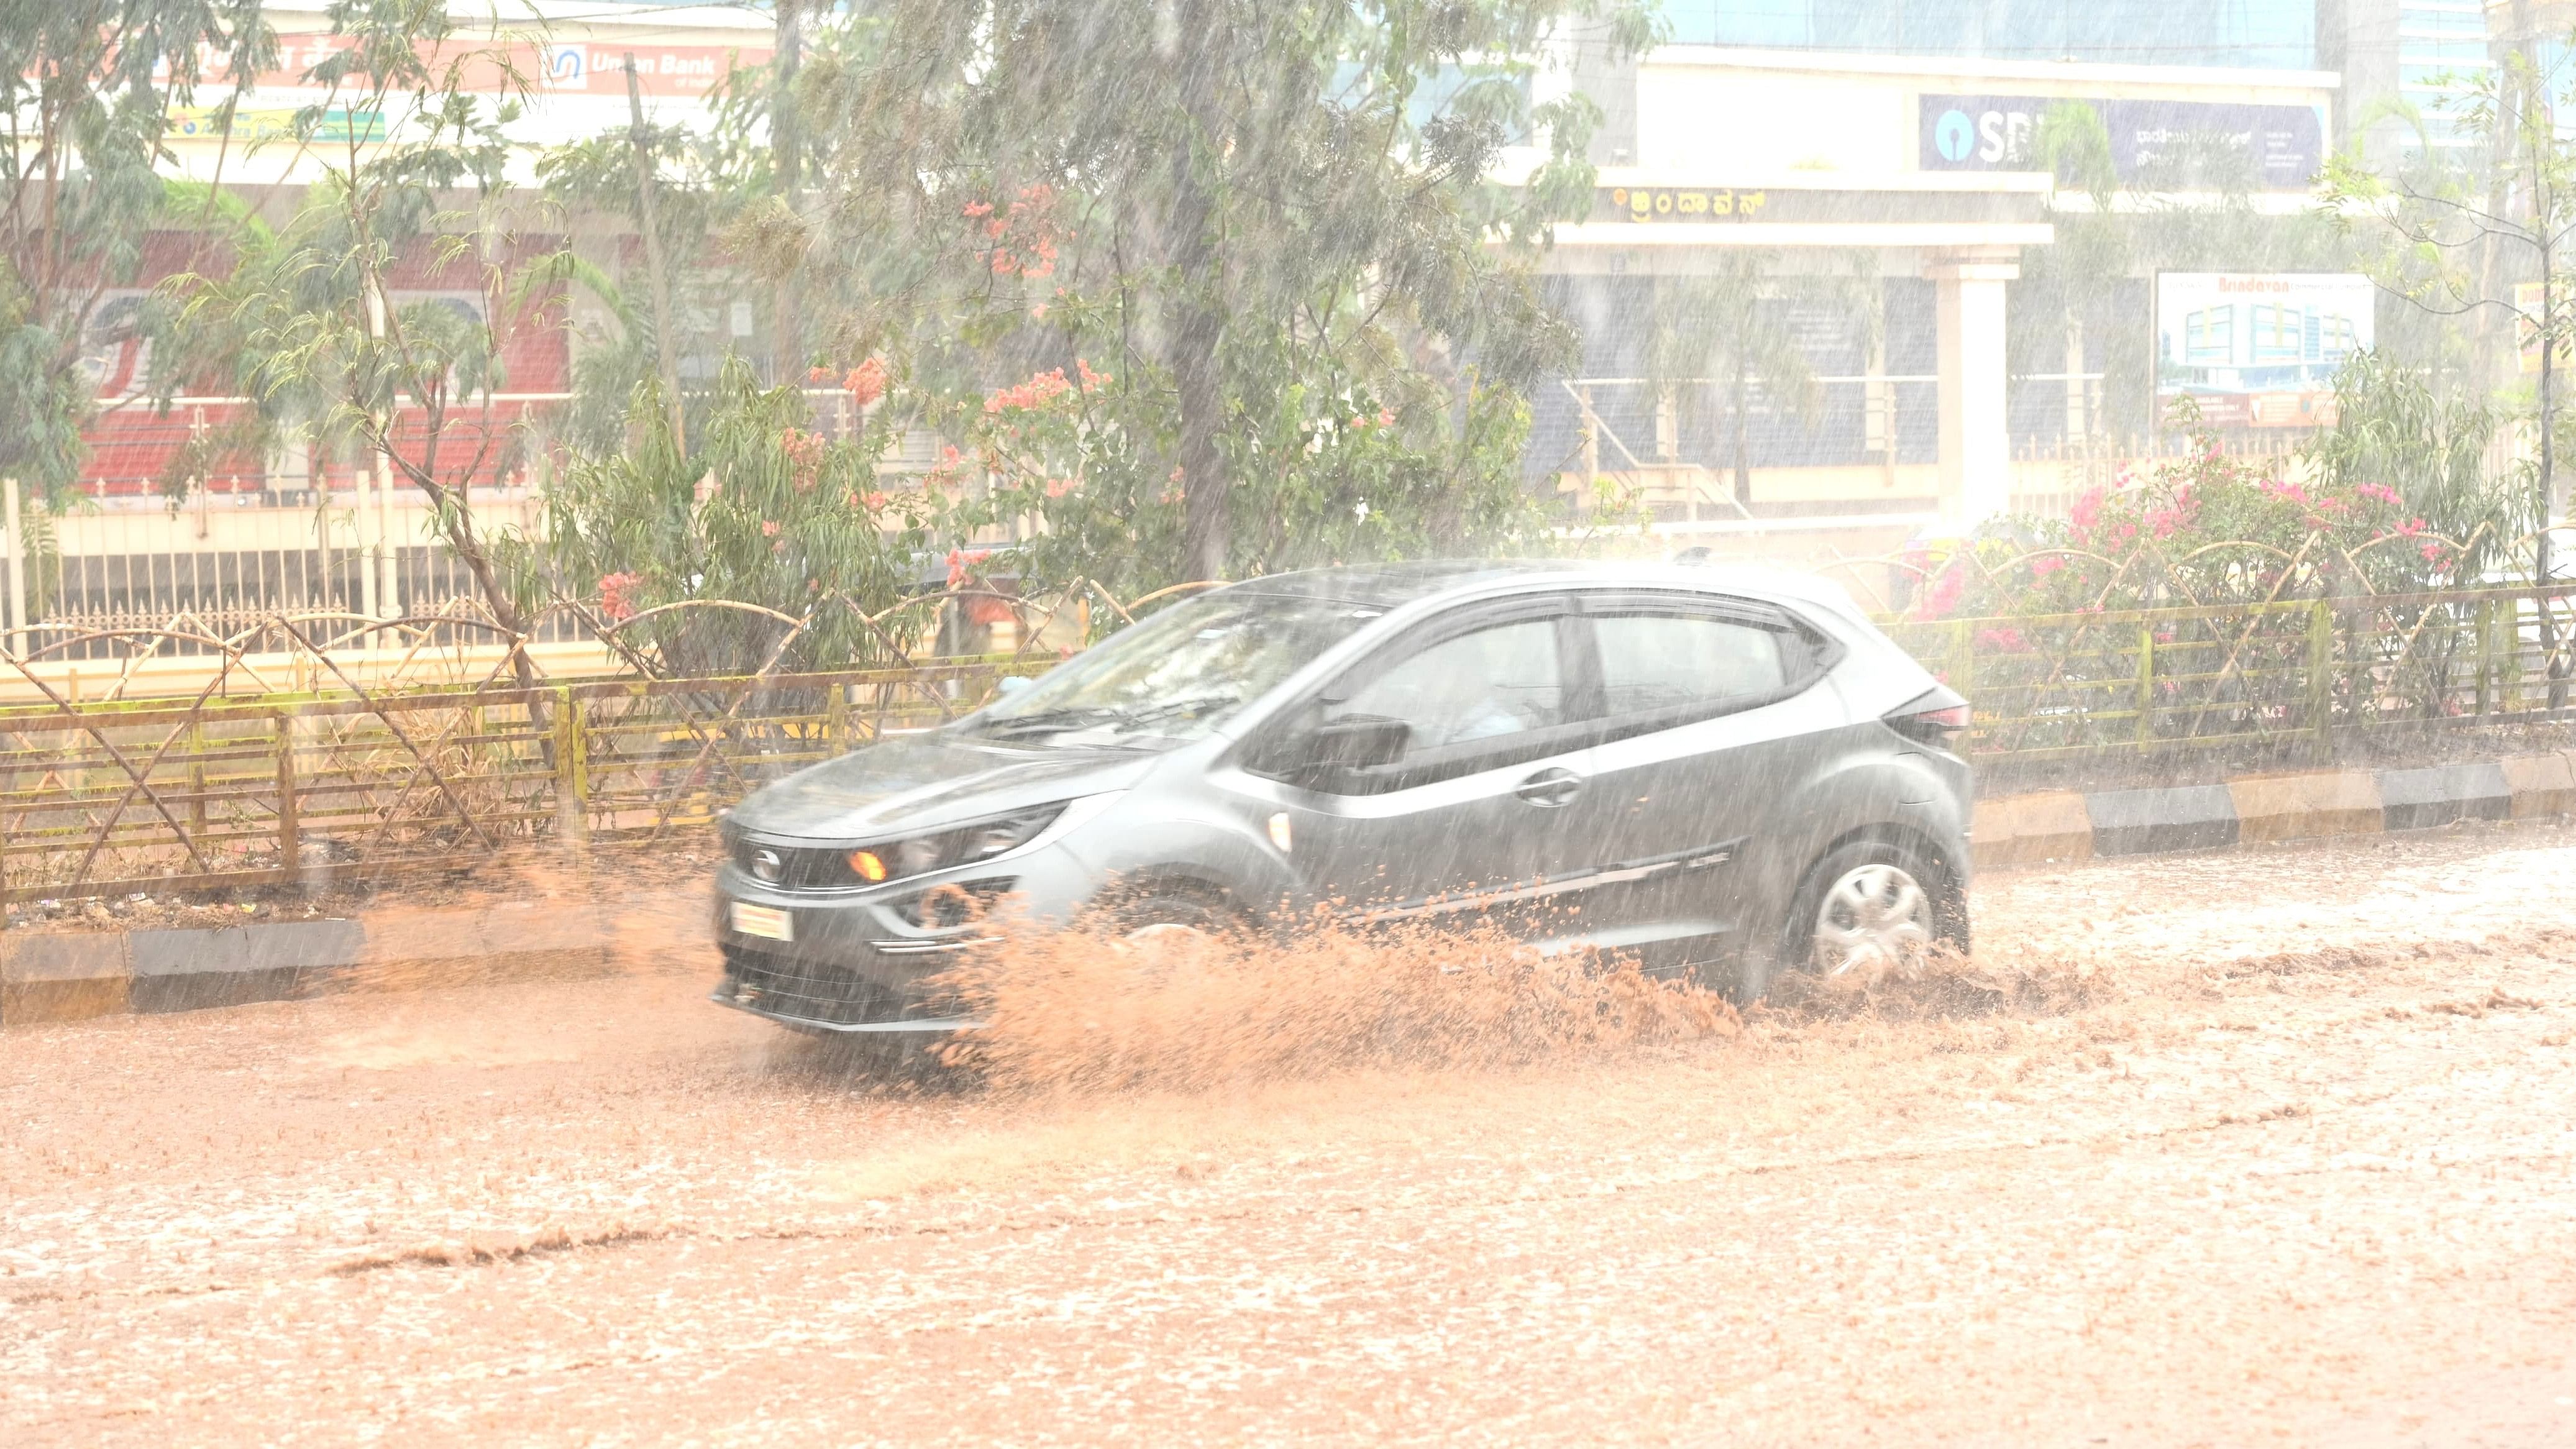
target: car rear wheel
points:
(1868, 909)
(1875, 918)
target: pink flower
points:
(866, 382)
(1385, 417)
(1040, 389)
(1090, 379)
(1058, 487)
(769, 528)
(2045, 564)
(617, 595)
(2432, 552)
(2087, 511)
(2379, 492)
(806, 453)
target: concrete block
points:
(2542, 785)
(2298, 807)
(192, 970)
(2180, 817)
(2421, 799)
(2023, 829)
(66, 976)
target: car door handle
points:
(1551, 788)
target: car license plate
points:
(764, 921)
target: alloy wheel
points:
(1874, 920)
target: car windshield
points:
(1174, 676)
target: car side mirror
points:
(1360, 742)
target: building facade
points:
(1901, 145)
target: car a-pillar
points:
(1970, 284)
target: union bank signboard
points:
(2283, 144)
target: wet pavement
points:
(2298, 1172)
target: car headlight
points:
(958, 845)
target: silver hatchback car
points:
(1719, 772)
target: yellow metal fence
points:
(172, 795)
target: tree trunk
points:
(666, 342)
(1197, 320)
(787, 161)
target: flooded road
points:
(2298, 1170)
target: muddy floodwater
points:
(2251, 1148)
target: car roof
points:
(1390, 585)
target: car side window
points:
(1685, 663)
(1485, 685)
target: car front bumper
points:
(854, 963)
(791, 1011)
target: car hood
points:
(928, 781)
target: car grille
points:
(799, 868)
(808, 989)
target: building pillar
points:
(1976, 437)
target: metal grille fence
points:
(2300, 672)
(298, 788)
(165, 795)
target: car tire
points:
(1887, 863)
(1177, 905)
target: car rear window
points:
(1653, 662)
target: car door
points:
(1471, 820)
(1711, 712)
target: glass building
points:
(2441, 45)
(2274, 34)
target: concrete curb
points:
(68, 976)
(2063, 825)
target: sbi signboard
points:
(2284, 144)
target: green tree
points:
(1715, 343)
(2461, 246)
(1262, 219)
(761, 512)
(302, 318)
(2395, 427)
(86, 94)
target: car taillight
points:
(1938, 718)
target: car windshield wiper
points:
(1156, 713)
(1118, 718)
(1050, 721)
